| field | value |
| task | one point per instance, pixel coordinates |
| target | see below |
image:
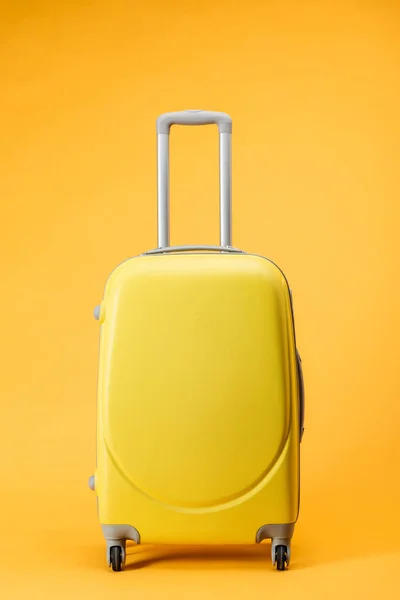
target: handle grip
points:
(194, 117)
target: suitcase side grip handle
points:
(301, 393)
(194, 117)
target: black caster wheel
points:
(116, 558)
(281, 557)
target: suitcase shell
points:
(199, 401)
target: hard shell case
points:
(200, 389)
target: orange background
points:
(314, 91)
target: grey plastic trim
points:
(163, 190)
(225, 188)
(164, 123)
(116, 535)
(194, 117)
(96, 312)
(301, 394)
(280, 535)
(91, 483)
(121, 532)
(168, 249)
(283, 530)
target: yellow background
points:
(314, 91)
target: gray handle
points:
(167, 249)
(301, 393)
(195, 117)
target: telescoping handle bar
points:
(195, 117)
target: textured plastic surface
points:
(198, 414)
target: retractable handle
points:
(195, 117)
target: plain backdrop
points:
(314, 92)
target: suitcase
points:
(200, 401)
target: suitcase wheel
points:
(116, 558)
(281, 557)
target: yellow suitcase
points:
(200, 390)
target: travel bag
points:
(200, 403)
